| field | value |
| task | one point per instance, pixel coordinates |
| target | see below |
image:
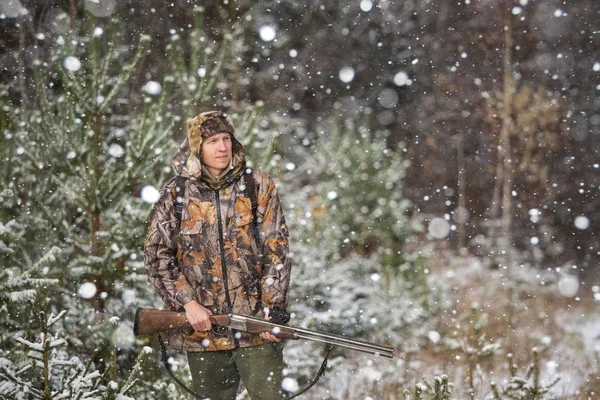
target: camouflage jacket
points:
(221, 256)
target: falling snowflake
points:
(153, 88)
(149, 194)
(267, 33)
(346, 74)
(72, 64)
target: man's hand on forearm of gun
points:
(268, 335)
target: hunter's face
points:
(217, 153)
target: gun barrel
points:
(300, 333)
(382, 351)
(353, 344)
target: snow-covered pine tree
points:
(471, 341)
(64, 376)
(353, 207)
(354, 270)
(529, 386)
(75, 158)
(202, 80)
(199, 77)
(440, 389)
(358, 184)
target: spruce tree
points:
(353, 268)
(75, 157)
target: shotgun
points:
(149, 320)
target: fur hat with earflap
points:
(205, 125)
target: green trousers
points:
(216, 374)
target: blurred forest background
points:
(438, 162)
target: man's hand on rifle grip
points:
(268, 335)
(198, 316)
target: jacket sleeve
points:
(276, 267)
(160, 257)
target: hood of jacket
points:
(187, 160)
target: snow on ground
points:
(565, 330)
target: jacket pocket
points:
(197, 213)
(243, 211)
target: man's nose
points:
(221, 145)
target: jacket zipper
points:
(223, 266)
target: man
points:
(221, 258)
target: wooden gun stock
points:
(149, 320)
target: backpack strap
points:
(179, 196)
(251, 191)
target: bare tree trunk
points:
(21, 61)
(233, 15)
(505, 132)
(462, 195)
(96, 213)
(95, 166)
(235, 78)
(494, 212)
(73, 11)
(235, 69)
(501, 224)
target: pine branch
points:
(52, 319)
(179, 68)
(8, 375)
(195, 35)
(137, 370)
(110, 51)
(215, 73)
(126, 72)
